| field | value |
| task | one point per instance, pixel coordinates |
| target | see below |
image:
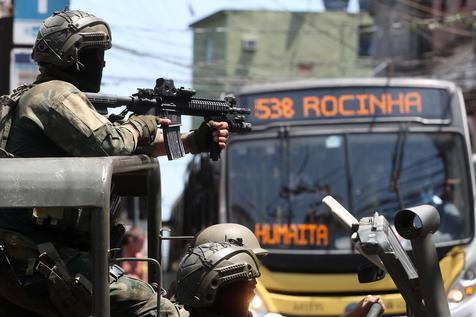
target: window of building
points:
(443, 6)
(305, 68)
(365, 40)
(208, 50)
(336, 5)
(249, 45)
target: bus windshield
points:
(276, 185)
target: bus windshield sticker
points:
(333, 142)
(346, 103)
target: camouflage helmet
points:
(231, 232)
(65, 33)
(207, 267)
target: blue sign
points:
(29, 14)
(38, 9)
(22, 68)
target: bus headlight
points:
(257, 303)
(259, 309)
(463, 288)
(455, 295)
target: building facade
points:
(387, 38)
(237, 48)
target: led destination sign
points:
(305, 235)
(347, 103)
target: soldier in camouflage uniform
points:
(54, 118)
(217, 279)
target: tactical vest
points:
(8, 106)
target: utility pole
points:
(6, 38)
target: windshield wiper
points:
(397, 161)
(285, 190)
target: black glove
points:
(146, 126)
(199, 140)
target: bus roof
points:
(348, 82)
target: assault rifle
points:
(169, 102)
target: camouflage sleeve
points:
(70, 121)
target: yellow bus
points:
(375, 145)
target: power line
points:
(265, 66)
(421, 7)
(136, 52)
(431, 23)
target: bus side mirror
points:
(416, 222)
(369, 273)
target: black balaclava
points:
(86, 74)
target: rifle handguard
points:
(167, 101)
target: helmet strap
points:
(76, 59)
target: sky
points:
(152, 39)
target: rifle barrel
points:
(191, 106)
(107, 100)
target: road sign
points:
(22, 68)
(29, 14)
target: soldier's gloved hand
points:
(147, 126)
(199, 140)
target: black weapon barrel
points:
(191, 105)
(106, 100)
(187, 106)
